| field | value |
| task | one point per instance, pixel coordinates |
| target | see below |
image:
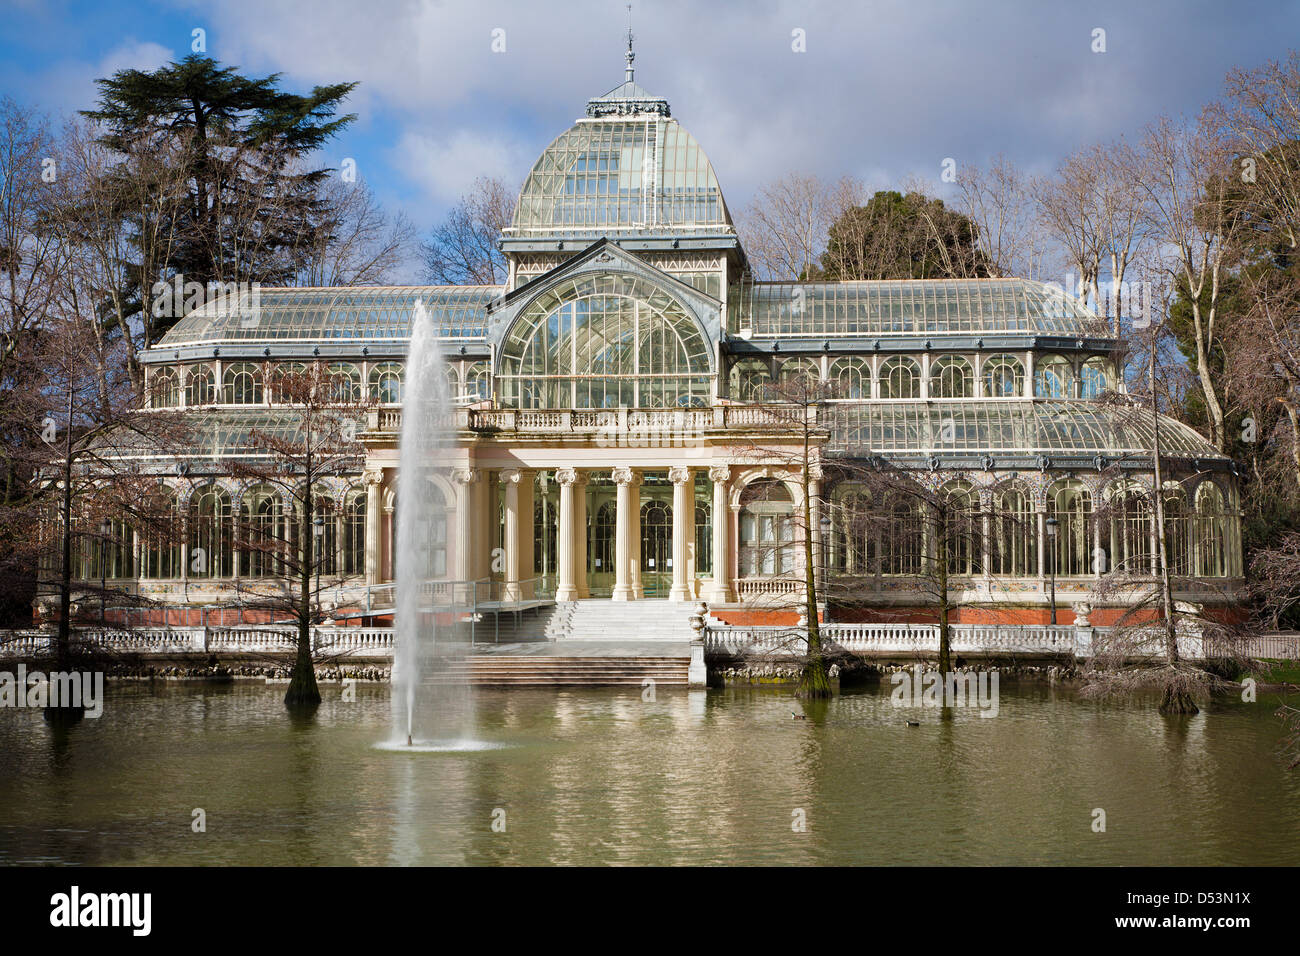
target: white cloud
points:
(444, 168)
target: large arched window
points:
(1071, 505)
(161, 544)
(165, 388)
(656, 541)
(703, 539)
(803, 374)
(900, 377)
(749, 380)
(963, 537)
(604, 341)
(1127, 533)
(476, 382)
(287, 382)
(431, 540)
(853, 542)
(1013, 544)
(1004, 377)
(601, 546)
(852, 377)
(345, 382)
(1053, 377)
(211, 551)
(1211, 532)
(242, 382)
(386, 383)
(902, 538)
(1178, 537)
(200, 387)
(1094, 378)
(951, 377)
(354, 531)
(325, 533)
(263, 533)
(106, 547)
(766, 528)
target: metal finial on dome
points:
(630, 55)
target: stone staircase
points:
(605, 620)
(595, 619)
(490, 670)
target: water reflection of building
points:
(603, 392)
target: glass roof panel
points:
(914, 307)
(374, 313)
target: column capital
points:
(623, 476)
(373, 476)
(720, 473)
(465, 476)
(512, 476)
(566, 476)
(680, 476)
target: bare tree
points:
(463, 249)
(786, 225)
(998, 200)
(358, 244)
(1184, 172)
(1068, 212)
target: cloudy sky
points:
(883, 89)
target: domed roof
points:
(626, 166)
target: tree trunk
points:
(303, 692)
(813, 680)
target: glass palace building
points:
(618, 433)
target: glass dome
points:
(621, 173)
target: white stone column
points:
(683, 480)
(719, 591)
(623, 536)
(511, 479)
(467, 483)
(374, 490)
(580, 535)
(566, 586)
(634, 514)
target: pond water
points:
(603, 776)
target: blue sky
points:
(884, 91)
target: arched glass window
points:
(749, 380)
(802, 373)
(766, 528)
(242, 382)
(165, 388)
(902, 538)
(951, 377)
(263, 533)
(1127, 533)
(354, 531)
(106, 547)
(601, 547)
(1093, 378)
(1178, 537)
(900, 377)
(604, 341)
(432, 539)
(1004, 377)
(853, 541)
(1211, 532)
(200, 388)
(160, 545)
(656, 539)
(963, 537)
(386, 383)
(286, 382)
(852, 377)
(703, 539)
(345, 382)
(453, 383)
(1013, 548)
(211, 552)
(1071, 505)
(477, 388)
(1053, 377)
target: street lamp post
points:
(1052, 524)
(105, 529)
